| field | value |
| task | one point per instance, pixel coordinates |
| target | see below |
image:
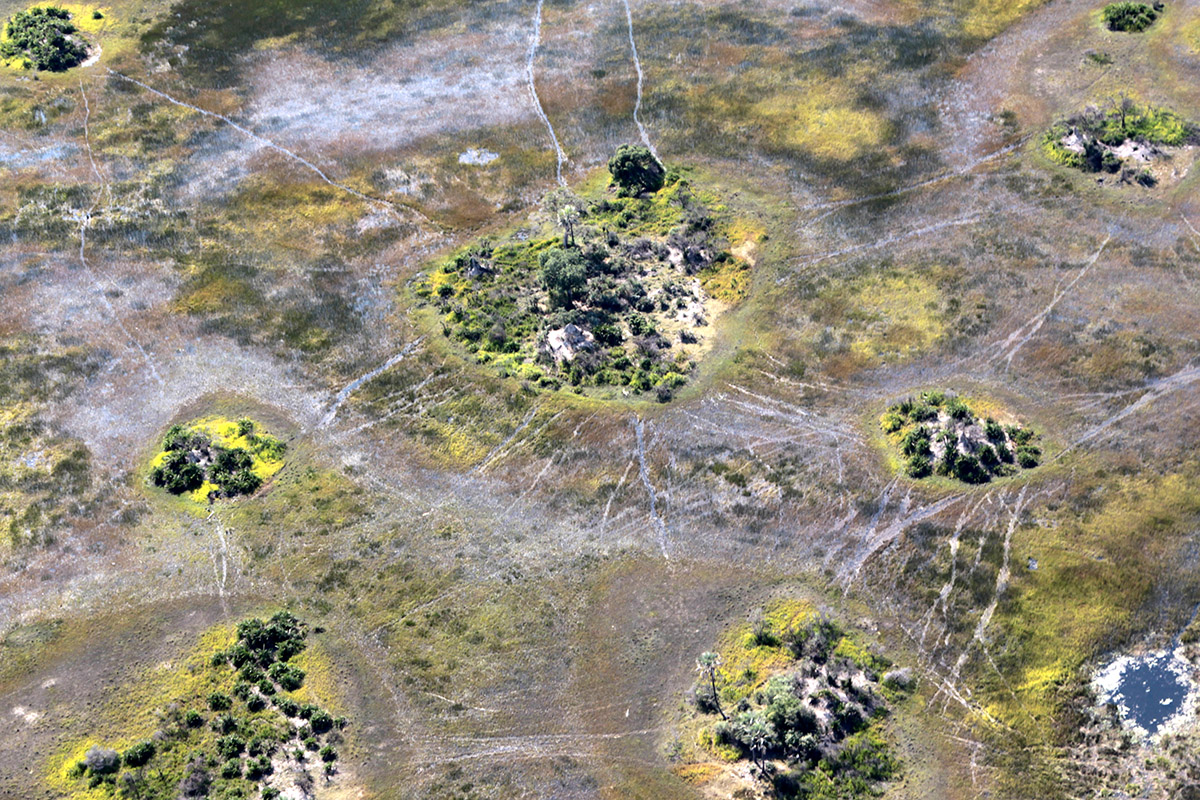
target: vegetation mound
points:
(611, 288)
(1130, 17)
(215, 458)
(247, 738)
(45, 38)
(1123, 138)
(809, 728)
(939, 433)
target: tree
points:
(564, 208)
(707, 665)
(635, 170)
(564, 274)
(755, 733)
(568, 218)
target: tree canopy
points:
(564, 273)
(635, 170)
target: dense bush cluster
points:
(613, 301)
(1090, 141)
(45, 38)
(191, 458)
(1130, 17)
(230, 744)
(808, 729)
(938, 433)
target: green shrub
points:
(1028, 456)
(219, 701)
(328, 754)
(138, 754)
(193, 718)
(1129, 17)
(919, 467)
(891, 422)
(232, 769)
(230, 746)
(101, 760)
(564, 274)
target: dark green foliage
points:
(226, 723)
(290, 678)
(193, 718)
(230, 745)
(177, 474)
(288, 706)
(266, 687)
(919, 467)
(255, 703)
(232, 769)
(564, 274)
(320, 721)
(1028, 456)
(328, 754)
(45, 37)
(231, 471)
(138, 754)
(1130, 17)
(219, 701)
(968, 470)
(635, 170)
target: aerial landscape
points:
(654, 399)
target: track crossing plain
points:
(507, 572)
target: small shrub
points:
(256, 703)
(138, 754)
(230, 746)
(193, 719)
(919, 467)
(232, 769)
(328, 754)
(45, 37)
(219, 701)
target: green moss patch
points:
(216, 458)
(939, 433)
(606, 289)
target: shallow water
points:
(1151, 690)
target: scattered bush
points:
(46, 38)
(219, 701)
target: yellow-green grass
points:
(130, 715)
(1097, 570)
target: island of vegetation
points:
(216, 458)
(1124, 138)
(615, 288)
(802, 704)
(1130, 17)
(247, 737)
(940, 434)
(43, 38)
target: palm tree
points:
(707, 665)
